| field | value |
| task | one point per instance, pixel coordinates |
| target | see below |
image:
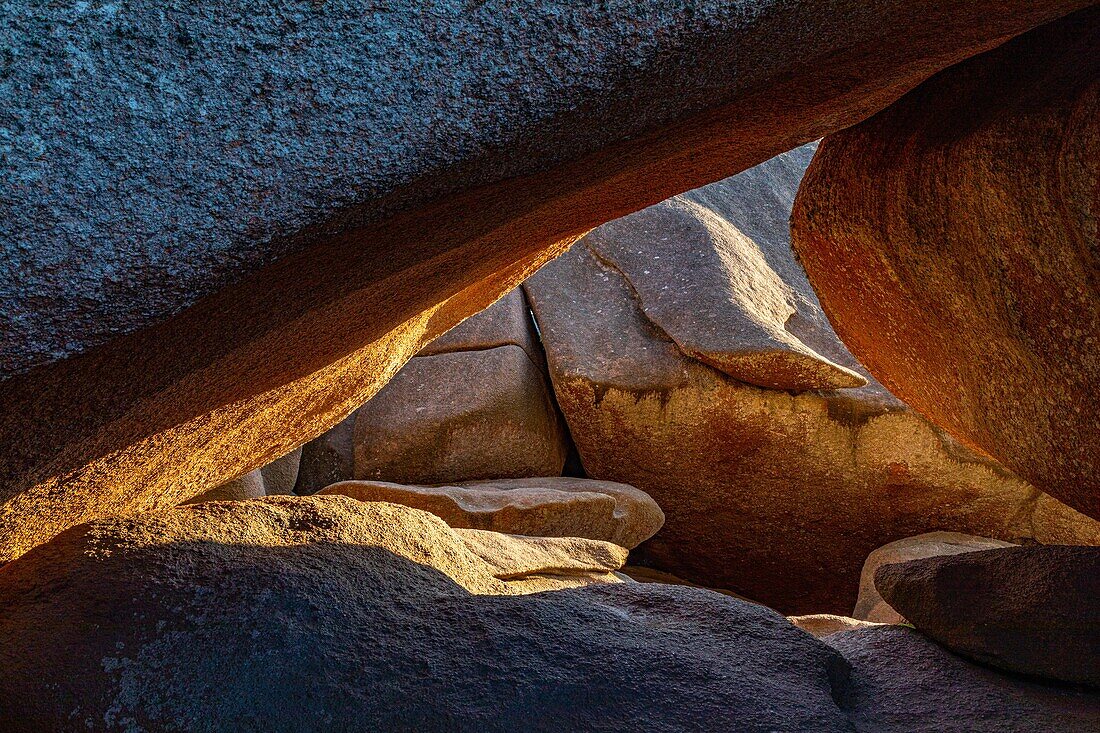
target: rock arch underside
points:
(513, 365)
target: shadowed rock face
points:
(325, 613)
(711, 269)
(967, 278)
(870, 605)
(1033, 610)
(226, 225)
(778, 495)
(474, 403)
(903, 683)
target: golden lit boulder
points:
(204, 270)
(537, 564)
(820, 625)
(776, 494)
(325, 613)
(554, 506)
(953, 239)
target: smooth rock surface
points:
(778, 496)
(555, 506)
(967, 278)
(903, 683)
(227, 224)
(404, 439)
(323, 613)
(820, 625)
(512, 556)
(870, 605)
(459, 417)
(505, 322)
(474, 404)
(1033, 610)
(709, 270)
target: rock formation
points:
(476, 405)
(308, 613)
(281, 475)
(276, 478)
(228, 225)
(328, 458)
(537, 564)
(870, 605)
(774, 493)
(903, 683)
(1032, 610)
(542, 507)
(967, 278)
(820, 625)
(249, 486)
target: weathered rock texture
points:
(328, 458)
(870, 605)
(281, 475)
(820, 625)
(904, 683)
(537, 564)
(475, 406)
(324, 613)
(275, 478)
(556, 506)
(777, 495)
(249, 486)
(967, 278)
(1034, 610)
(228, 224)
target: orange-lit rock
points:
(775, 494)
(206, 272)
(552, 506)
(321, 612)
(953, 241)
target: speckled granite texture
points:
(224, 225)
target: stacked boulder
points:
(473, 404)
(556, 506)
(691, 359)
(275, 479)
(327, 613)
